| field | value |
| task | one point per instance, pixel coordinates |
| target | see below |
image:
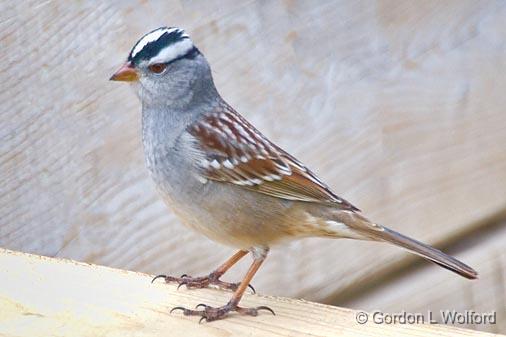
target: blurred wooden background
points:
(398, 105)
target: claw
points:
(157, 277)
(201, 282)
(176, 308)
(209, 313)
(263, 307)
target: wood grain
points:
(398, 106)
(427, 290)
(52, 297)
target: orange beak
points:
(126, 73)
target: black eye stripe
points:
(191, 54)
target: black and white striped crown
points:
(162, 45)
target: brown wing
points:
(237, 153)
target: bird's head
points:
(165, 67)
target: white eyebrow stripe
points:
(172, 51)
(153, 36)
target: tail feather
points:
(428, 252)
(376, 232)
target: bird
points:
(224, 179)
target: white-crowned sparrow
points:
(226, 180)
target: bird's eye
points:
(157, 68)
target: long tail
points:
(428, 252)
(381, 233)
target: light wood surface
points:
(398, 105)
(41, 296)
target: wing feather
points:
(237, 153)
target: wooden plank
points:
(428, 290)
(41, 296)
(399, 107)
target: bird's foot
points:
(209, 313)
(201, 282)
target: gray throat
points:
(166, 150)
(162, 127)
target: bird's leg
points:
(211, 279)
(209, 313)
